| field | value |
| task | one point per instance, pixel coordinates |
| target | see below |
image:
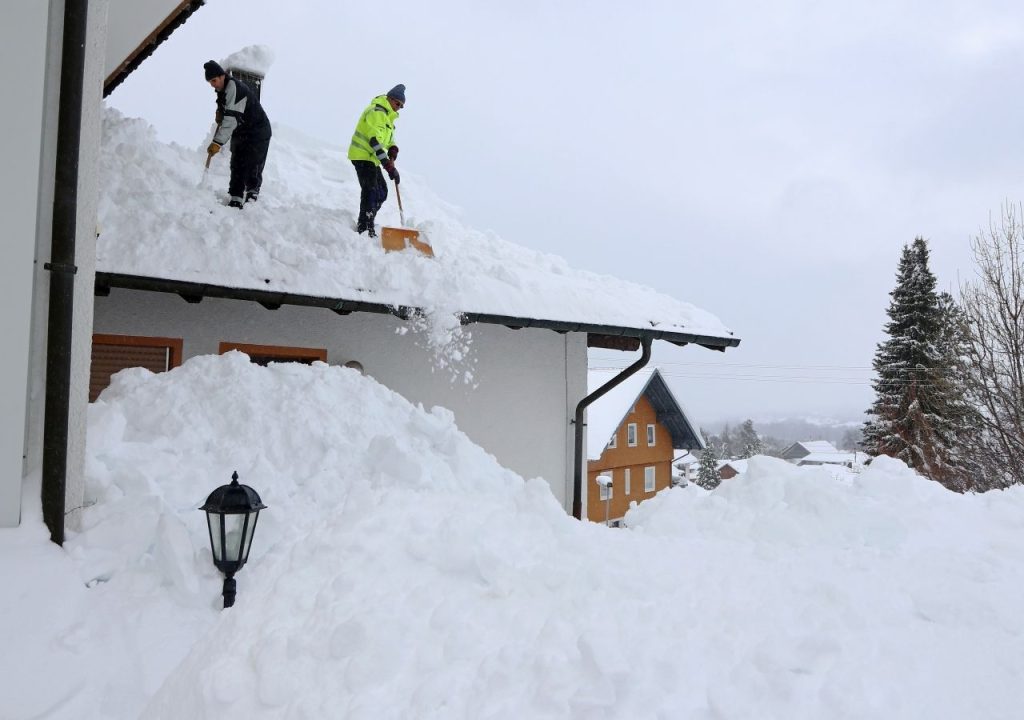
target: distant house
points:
(685, 464)
(731, 468)
(821, 452)
(633, 434)
(799, 450)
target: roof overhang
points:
(126, 66)
(195, 292)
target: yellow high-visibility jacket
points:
(374, 133)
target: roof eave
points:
(163, 31)
(194, 292)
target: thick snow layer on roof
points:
(159, 217)
(606, 413)
(399, 572)
(740, 466)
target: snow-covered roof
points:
(163, 226)
(740, 466)
(605, 415)
(815, 446)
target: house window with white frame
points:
(649, 478)
(625, 482)
(631, 434)
(614, 442)
(650, 436)
(606, 490)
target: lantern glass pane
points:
(215, 521)
(249, 530)
(233, 527)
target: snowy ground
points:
(400, 573)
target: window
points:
(613, 443)
(264, 354)
(606, 491)
(625, 482)
(650, 436)
(631, 434)
(112, 353)
(649, 479)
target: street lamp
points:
(231, 514)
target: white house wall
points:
(23, 35)
(524, 390)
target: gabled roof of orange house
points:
(606, 415)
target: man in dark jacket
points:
(240, 119)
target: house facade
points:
(61, 57)
(648, 427)
(525, 382)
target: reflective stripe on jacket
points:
(374, 132)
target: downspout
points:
(577, 486)
(62, 268)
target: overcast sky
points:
(765, 162)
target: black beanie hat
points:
(398, 93)
(213, 70)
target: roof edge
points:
(194, 292)
(163, 31)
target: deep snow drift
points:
(399, 572)
(160, 218)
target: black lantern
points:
(231, 514)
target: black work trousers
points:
(373, 191)
(248, 156)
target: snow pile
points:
(252, 58)
(399, 572)
(157, 220)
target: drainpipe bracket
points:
(62, 268)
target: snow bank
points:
(399, 572)
(159, 218)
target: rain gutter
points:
(194, 292)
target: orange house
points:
(633, 433)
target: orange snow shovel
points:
(393, 239)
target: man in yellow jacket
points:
(373, 147)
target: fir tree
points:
(912, 417)
(707, 469)
(749, 440)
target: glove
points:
(392, 171)
(213, 149)
(393, 153)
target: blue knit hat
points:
(398, 93)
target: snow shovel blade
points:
(394, 239)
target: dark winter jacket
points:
(242, 115)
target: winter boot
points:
(371, 231)
(252, 196)
(361, 226)
(235, 203)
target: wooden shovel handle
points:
(209, 157)
(401, 213)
